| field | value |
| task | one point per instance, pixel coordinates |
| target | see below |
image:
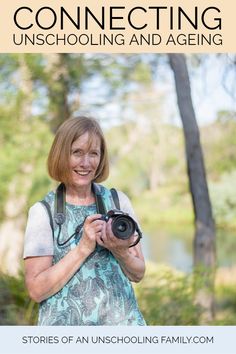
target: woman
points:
(81, 275)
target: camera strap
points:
(60, 214)
(115, 198)
(59, 209)
(140, 235)
(47, 206)
(101, 209)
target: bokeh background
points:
(134, 99)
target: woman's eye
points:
(77, 153)
(94, 153)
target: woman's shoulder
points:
(49, 197)
(123, 198)
(37, 211)
(126, 205)
(37, 207)
(125, 202)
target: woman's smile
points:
(82, 173)
(85, 159)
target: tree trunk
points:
(58, 89)
(204, 239)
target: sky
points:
(207, 85)
(209, 94)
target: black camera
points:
(123, 226)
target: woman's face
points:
(84, 160)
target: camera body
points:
(123, 226)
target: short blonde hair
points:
(59, 156)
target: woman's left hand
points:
(130, 259)
(113, 243)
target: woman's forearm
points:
(44, 279)
(132, 266)
(45, 283)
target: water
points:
(175, 247)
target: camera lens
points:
(123, 226)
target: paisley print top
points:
(99, 293)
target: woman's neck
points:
(79, 195)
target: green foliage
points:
(147, 156)
(224, 199)
(163, 208)
(15, 306)
(120, 72)
(226, 303)
(10, 154)
(134, 159)
(227, 295)
(165, 297)
(226, 117)
(23, 157)
(219, 146)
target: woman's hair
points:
(60, 152)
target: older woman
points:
(75, 267)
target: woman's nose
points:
(84, 160)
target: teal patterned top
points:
(99, 293)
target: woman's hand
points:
(111, 242)
(92, 230)
(131, 260)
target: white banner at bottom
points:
(107, 340)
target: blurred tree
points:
(58, 79)
(204, 240)
(14, 219)
(63, 77)
(21, 152)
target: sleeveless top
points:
(99, 293)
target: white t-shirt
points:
(38, 234)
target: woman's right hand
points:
(92, 228)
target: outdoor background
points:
(134, 99)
